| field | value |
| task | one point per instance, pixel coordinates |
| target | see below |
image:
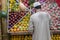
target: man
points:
(39, 24)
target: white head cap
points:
(36, 4)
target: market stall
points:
(18, 13)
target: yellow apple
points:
(24, 25)
(15, 26)
(14, 30)
(24, 19)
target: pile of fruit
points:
(29, 37)
(55, 37)
(13, 5)
(23, 37)
(26, 3)
(14, 17)
(22, 25)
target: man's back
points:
(41, 26)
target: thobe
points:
(39, 26)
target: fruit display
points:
(23, 37)
(14, 5)
(26, 3)
(19, 21)
(55, 37)
(14, 17)
(53, 10)
(29, 37)
(22, 25)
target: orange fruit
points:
(18, 29)
(14, 30)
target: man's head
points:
(37, 5)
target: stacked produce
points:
(55, 37)
(21, 25)
(26, 3)
(29, 37)
(23, 37)
(14, 17)
(53, 9)
(18, 21)
(13, 5)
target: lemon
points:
(24, 19)
(15, 26)
(25, 25)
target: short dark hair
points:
(38, 7)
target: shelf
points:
(20, 33)
(55, 31)
(29, 33)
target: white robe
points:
(39, 26)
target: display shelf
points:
(55, 31)
(20, 33)
(29, 33)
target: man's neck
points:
(38, 10)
